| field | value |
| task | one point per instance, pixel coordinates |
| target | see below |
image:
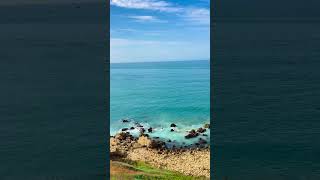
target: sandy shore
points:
(193, 161)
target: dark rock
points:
(125, 120)
(192, 134)
(156, 137)
(132, 128)
(124, 129)
(201, 130)
(197, 144)
(150, 130)
(144, 135)
(142, 130)
(169, 140)
(172, 130)
(157, 144)
(173, 125)
(138, 124)
(207, 126)
(204, 134)
(123, 135)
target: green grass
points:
(144, 171)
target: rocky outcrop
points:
(194, 161)
(123, 136)
(201, 130)
(144, 141)
(207, 126)
(191, 134)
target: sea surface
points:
(266, 99)
(156, 94)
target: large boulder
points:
(123, 136)
(144, 141)
(191, 134)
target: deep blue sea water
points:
(157, 94)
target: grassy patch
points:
(143, 171)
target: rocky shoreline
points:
(193, 160)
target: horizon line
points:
(157, 61)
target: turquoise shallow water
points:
(160, 93)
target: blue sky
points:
(159, 30)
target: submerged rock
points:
(202, 141)
(150, 130)
(132, 128)
(124, 129)
(173, 125)
(125, 120)
(172, 130)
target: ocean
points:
(157, 94)
(266, 99)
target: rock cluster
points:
(193, 133)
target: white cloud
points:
(146, 4)
(198, 15)
(146, 19)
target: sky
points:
(159, 30)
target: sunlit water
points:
(159, 94)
